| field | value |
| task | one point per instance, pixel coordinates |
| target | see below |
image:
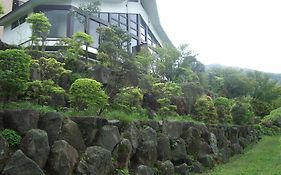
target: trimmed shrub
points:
(14, 72)
(242, 113)
(129, 99)
(87, 93)
(223, 107)
(205, 110)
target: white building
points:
(138, 17)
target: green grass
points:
(28, 105)
(263, 158)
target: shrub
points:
(129, 99)
(163, 93)
(87, 93)
(50, 68)
(223, 107)
(242, 113)
(205, 110)
(12, 137)
(14, 72)
(274, 118)
(41, 91)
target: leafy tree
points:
(242, 112)
(41, 91)
(205, 110)
(129, 99)
(113, 48)
(50, 68)
(87, 94)
(163, 93)
(73, 48)
(14, 72)
(223, 107)
(40, 26)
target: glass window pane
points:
(78, 23)
(93, 26)
(114, 16)
(58, 19)
(134, 32)
(124, 27)
(133, 18)
(123, 19)
(134, 25)
(104, 16)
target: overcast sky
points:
(243, 33)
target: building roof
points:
(150, 7)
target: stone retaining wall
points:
(56, 145)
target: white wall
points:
(18, 35)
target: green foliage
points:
(125, 116)
(241, 112)
(40, 26)
(122, 171)
(1, 9)
(223, 107)
(41, 91)
(12, 137)
(205, 110)
(14, 72)
(113, 48)
(129, 99)
(87, 93)
(50, 68)
(274, 118)
(163, 93)
(73, 48)
(29, 105)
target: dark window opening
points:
(19, 22)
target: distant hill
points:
(273, 76)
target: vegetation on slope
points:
(263, 158)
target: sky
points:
(239, 33)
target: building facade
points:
(137, 17)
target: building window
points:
(79, 22)
(143, 30)
(58, 19)
(133, 0)
(104, 16)
(19, 22)
(93, 26)
(133, 18)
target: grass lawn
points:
(263, 158)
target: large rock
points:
(51, 122)
(207, 161)
(192, 138)
(132, 134)
(144, 170)
(108, 137)
(95, 161)
(19, 164)
(166, 168)
(122, 154)
(163, 147)
(182, 169)
(36, 146)
(4, 151)
(21, 120)
(62, 159)
(70, 132)
(236, 149)
(2, 120)
(173, 129)
(89, 127)
(147, 150)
